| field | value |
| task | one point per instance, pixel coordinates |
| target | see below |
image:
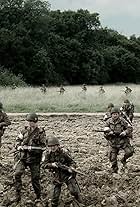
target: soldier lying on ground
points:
(30, 143)
(118, 133)
(60, 163)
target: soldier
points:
(43, 88)
(30, 143)
(127, 110)
(13, 86)
(118, 133)
(127, 90)
(101, 90)
(4, 122)
(62, 90)
(108, 113)
(84, 88)
(60, 163)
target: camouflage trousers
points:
(73, 188)
(128, 152)
(35, 177)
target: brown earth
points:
(99, 187)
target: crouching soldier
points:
(30, 144)
(60, 163)
(118, 133)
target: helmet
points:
(32, 117)
(110, 105)
(126, 101)
(53, 141)
(1, 106)
(115, 110)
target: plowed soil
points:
(89, 149)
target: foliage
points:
(54, 47)
(7, 78)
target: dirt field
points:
(89, 149)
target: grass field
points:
(73, 100)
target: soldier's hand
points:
(54, 164)
(20, 148)
(123, 134)
(111, 133)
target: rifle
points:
(99, 130)
(66, 168)
(25, 147)
(127, 118)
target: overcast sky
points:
(120, 15)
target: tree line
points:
(54, 47)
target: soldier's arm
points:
(127, 127)
(6, 121)
(42, 138)
(69, 159)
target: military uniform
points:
(117, 142)
(128, 90)
(61, 176)
(84, 88)
(4, 122)
(62, 90)
(127, 110)
(101, 90)
(31, 158)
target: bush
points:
(7, 78)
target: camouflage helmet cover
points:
(53, 141)
(32, 117)
(115, 110)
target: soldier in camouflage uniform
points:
(118, 133)
(127, 110)
(84, 88)
(101, 90)
(62, 90)
(4, 122)
(30, 143)
(108, 113)
(60, 156)
(127, 90)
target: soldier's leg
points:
(113, 158)
(129, 150)
(35, 177)
(74, 189)
(19, 170)
(55, 194)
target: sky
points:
(120, 15)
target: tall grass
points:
(31, 99)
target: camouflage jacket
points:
(35, 138)
(4, 122)
(117, 127)
(128, 110)
(61, 156)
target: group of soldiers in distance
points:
(32, 148)
(101, 91)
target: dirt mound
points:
(99, 187)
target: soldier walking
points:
(62, 90)
(84, 88)
(127, 91)
(101, 90)
(43, 88)
(4, 122)
(118, 133)
(60, 163)
(127, 110)
(30, 144)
